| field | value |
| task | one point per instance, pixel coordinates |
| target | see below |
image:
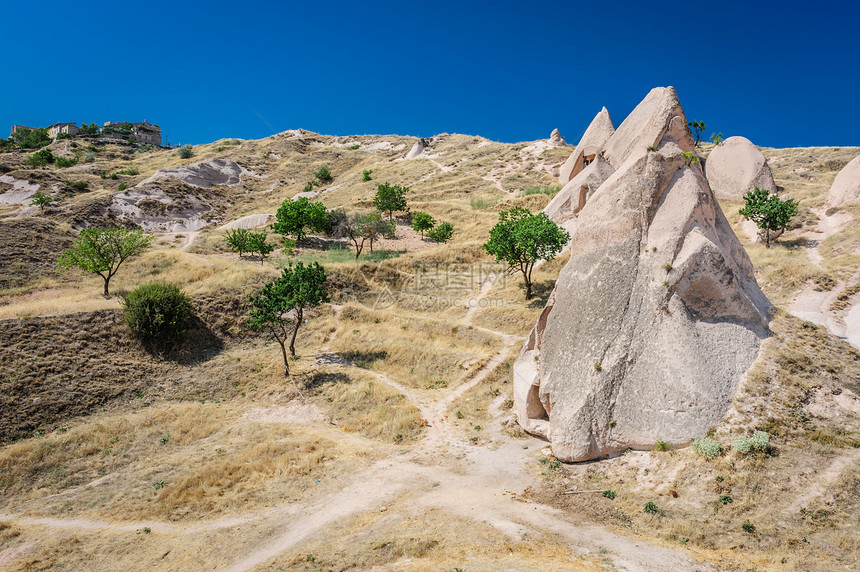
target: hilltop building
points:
(140, 132)
(57, 128)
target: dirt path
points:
(443, 472)
(813, 305)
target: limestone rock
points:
(626, 352)
(417, 148)
(555, 139)
(593, 140)
(846, 185)
(202, 174)
(735, 167)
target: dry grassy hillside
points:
(392, 445)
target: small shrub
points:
(651, 508)
(41, 200)
(609, 494)
(748, 527)
(652, 147)
(131, 171)
(707, 448)
(667, 267)
(481, 204)
(355, 147)
(742, 445)
(725, 499)
(89, 157)
(160, 485)
(123, 186)
(64, 162)
(186, 152)
(323, 174)
(598, 367)
(61, 136)
(79, 185)
(366, 175)
(441, 233)
(760, 441)
(41, 158)
(661, 446)
(158, 313)
(309, 186)
(544, 190)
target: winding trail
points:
(443, 471)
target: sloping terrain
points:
(392, 446)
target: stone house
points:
(143, 132)
(57, 128)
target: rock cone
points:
(657, 315)
(593, 140)
(555, 139)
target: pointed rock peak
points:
(653, 321)
(418, 148)
(555, 139)
(735, 167)
(593, 140)
(657, 116)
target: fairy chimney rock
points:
(593, 140)
(555, 139)
(657, 315)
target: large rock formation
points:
(593, 140)
(203, 174)
(417, 148)
(555, 139)
(570, 200)
(735, 167)
(656, 316)
(846, 185)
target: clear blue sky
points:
(781, 73)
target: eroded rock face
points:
(202, 174)
(846, 185)
(555, 139)
(571, 199)
(417, 148)
(657, 315)
(735, 167)
(593, 140)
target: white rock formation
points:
(417, 148)
(572, 197)
(19, 192)
(592, 143)
(735, 167)
(248, 222)
(555, 139)
(846, 185)
(657, 315)
(202, 174)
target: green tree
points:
(442, 233)
(42, 200)
(298, 217)
(31, 138)
(41, 158)
(186, 152)
(102, 250)
(390, 198)
(359, 229)
(280, 307)
(716, 138)
(768, 211)
(422, 222)
(238, 240)
(257, 243)
(323, 175)
(89, 130)
(521, 238)
(158, 313)
(377, 227)
(698, 128)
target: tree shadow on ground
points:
(540, 293)
(315, 380)
(200, 345)
(363, 359)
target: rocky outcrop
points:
(592, 143)
(735, 167)
(846, 185)
(202, 174)
(417, 148)
(657, 315)
(555, 139)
